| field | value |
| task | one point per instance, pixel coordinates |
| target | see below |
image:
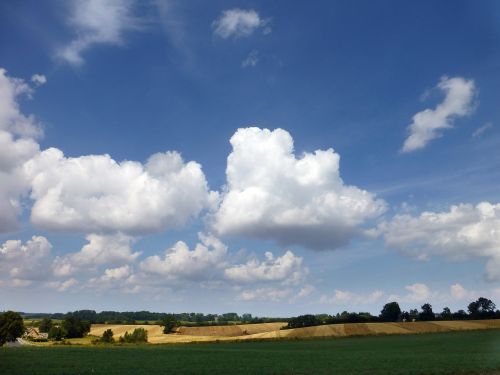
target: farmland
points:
(439, 353)
(272, 331)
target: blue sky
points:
(401, 201)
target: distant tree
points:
(56, 333)
(427, 313)
(230, 317)
(482, 308)
(11, 326)
(169, 323)
(246, 317)
(75, 327)
(446, 314)
(459, 315)
(139, 335)
(87, 315)
(390, 312)
(45, 325)
(303, 321)
(107, 337)
(324, 318)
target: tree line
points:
(131, 317)
(482, 308)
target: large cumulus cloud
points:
(26, 261)
(287, 269)
(100, 250)
(95, 193)
(462, 232)
(181, 263)
(18, 134)
(273, 194)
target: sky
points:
(274, 158)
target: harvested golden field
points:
(231, 330)
(270, 331)
(120, 329)
(188, 334)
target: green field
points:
(447, 353)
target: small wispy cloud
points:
(38, 79)
(238, 23)
(480, 131)
(251, 60)
(428, 124)
(97, 22)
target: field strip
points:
(270, 331)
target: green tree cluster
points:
(169, 322)
(138, 336)
(390, 312)
(74, 327)
(11, 326)
(56, 333)
(45, 325)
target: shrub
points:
(56, 333)
(139, 335)
(169, 323)
(107, 337)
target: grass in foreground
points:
(446, 353)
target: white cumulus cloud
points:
(287, 268)
(100, 250)
(272, 194)
(12, 120)
(239, 23)
(266, 294)
(25, 261)
(62, 286)
(13, 182)
(462, 232)
(417, 292)
(97, 22)
(345, 297)
(96, 194)
(38, 79)
(427, 124)
(179, 262)
(17, 145)
(118, 279)
(458, 292)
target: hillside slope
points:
(269, 331)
